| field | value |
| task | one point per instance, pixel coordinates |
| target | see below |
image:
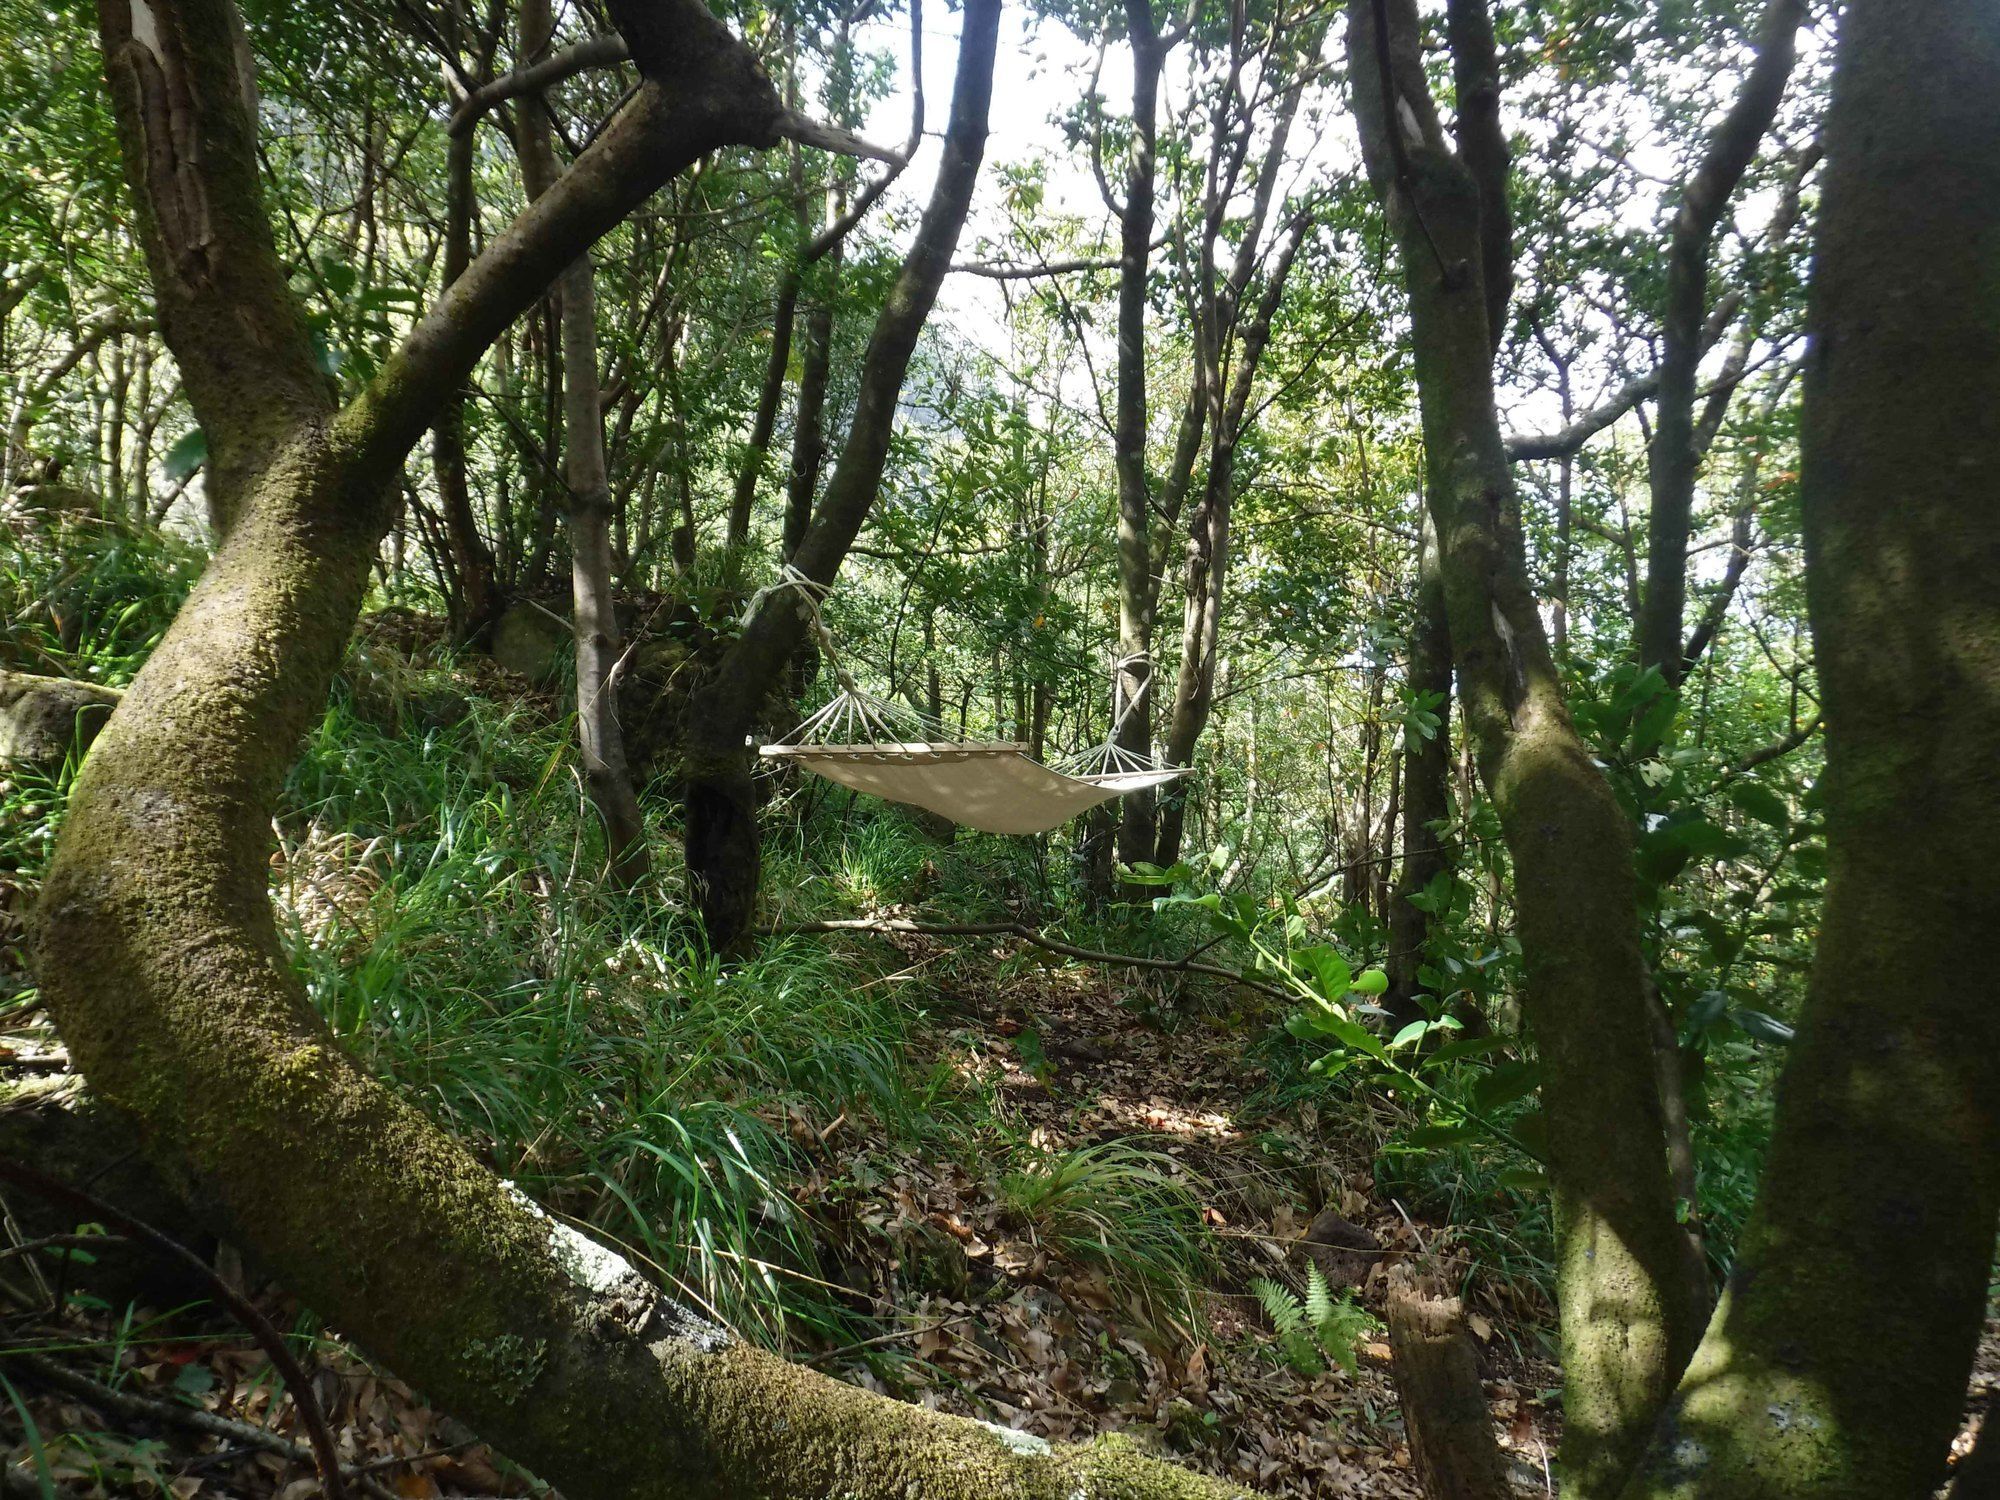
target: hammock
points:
(891, 751)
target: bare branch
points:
(597, 52)
(793, 126)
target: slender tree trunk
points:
(1626, 1325)
(1674, 456)
(1426, 789)
(809, 422)
(1132, 706)
(1837, 1362)
(723, 854)
(476, 599)
(594, 615)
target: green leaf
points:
(1708, 1008)
(1761, 803)
(189, 452)
(1532, 1131)
(1523, 1179)
(1371, 982)
(1471, 1046)
(1410, 1033)
(1444, 1135)
(1507, 1082)
(1765, 1028)
(1329, 972)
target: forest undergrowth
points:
(1062, 1196)
(1052, 1194)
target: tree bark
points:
(1837, 1362)
(723, 853)
(1426, 790)
(1132, 706)
(1626, 1326)
(1452, 1446)
(190, 151)
(1674, 455)
(476, 595)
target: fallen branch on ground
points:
(1033, 936)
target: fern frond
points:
(1295, 1336)
(1319, 1298)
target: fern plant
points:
(1317, 1327)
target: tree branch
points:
(596, 52)
(1033, 936)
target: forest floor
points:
(1004, 1299)
(984, 1313)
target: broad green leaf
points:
(1761, 803)
(189, 452)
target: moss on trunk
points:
(1627, 1323)
(1836, 1365)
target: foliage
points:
(1130, 1208)
(1316, 1327)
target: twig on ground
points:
(118, 1403)
(889, 926)
(245, 1312)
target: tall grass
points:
(449, 924)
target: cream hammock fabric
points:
(995, 788)
(864, 742)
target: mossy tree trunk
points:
(1627, 1327)
(159, 953)
(724, 857)
(1837, 1362)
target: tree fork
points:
(1626, 1325)
(1884, 1164)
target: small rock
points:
(1343, 1251)
(44, 719)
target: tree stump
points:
(1444, 1406)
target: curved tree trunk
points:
(1837, 1362)
(160, 958)
(1626, 1325)
(723, 853)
